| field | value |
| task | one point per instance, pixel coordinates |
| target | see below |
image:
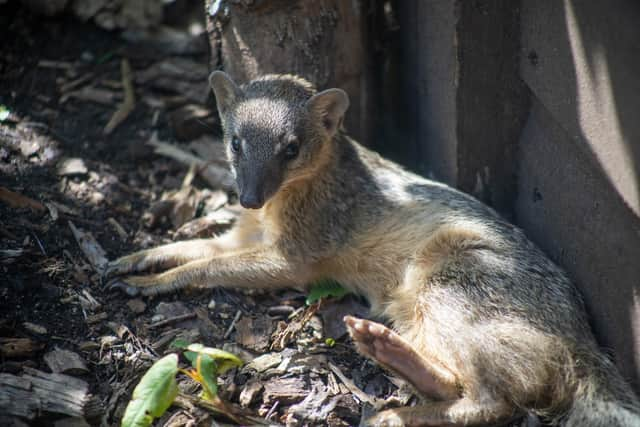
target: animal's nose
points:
(251, 200)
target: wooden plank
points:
(38, 392)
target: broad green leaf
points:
(324, 289)
(224, 360)
(154, 393)
(207, 368)
(192, 357)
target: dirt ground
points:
(60, 83)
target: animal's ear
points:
(226, 91)
(329, 106)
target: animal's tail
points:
(603, 399)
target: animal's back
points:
(470, 290)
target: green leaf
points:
(224, 360)
(208, 370)
(179, 343)
(324, 289)
(154, 393)
(4, 113)
(330, 342)
(192, 357)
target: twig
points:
(215, 176)
(218, 406)
(39, 244)
(272, 410)
(189, 176)
(129, 102)
(364, 397)
(119, 229)
(233, 323)
(17, 200)
(75, 83)
(63, 65)
(172, 320)
(90, 248)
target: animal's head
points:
(276, 129)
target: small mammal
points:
(483, 323)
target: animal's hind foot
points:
(393, 352)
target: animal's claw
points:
(122, 285)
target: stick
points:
(215, 176)
(19, 201)
(233, 323)
(129, 102)
(364, 397)
(90, 248)
(119, 229)
(172, 319)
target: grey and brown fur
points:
(484, 324)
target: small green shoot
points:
(154, 393)
(207, 364)
(157, 389)
(324, 289)
(330, 342)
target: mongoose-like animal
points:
(483, 324)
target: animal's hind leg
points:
(459, 412)
(393, 352)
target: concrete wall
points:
(534, 107)
(465, 103)
(579, 157)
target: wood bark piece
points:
(72, 166)
(254, 333)
(17, 200)
(285, 390)
(65, 362)
(250, 393)
(19, 347)
(175, 67)
(38, 392)
(283, 336)
(91, 94)
(90, 248)
(191, 121)
(364, 397)
(314, 409)
(207, 226)
(35, 328)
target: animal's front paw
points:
(123, 285)
(120, 266)
(388, 418)
(135, 285)
(151, 284)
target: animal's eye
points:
(235, 144)
(291, 151)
